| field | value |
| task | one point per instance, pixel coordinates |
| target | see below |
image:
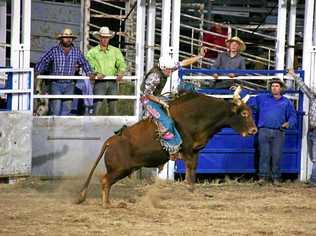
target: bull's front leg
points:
(190, 173)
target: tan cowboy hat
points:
(67, 33)
(238, 40)
(103, 32)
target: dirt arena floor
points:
(46, 207)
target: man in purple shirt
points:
(62, 59)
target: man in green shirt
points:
(106, 60)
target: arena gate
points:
(228, 152)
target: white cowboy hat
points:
(238, 40)
(67, 33)
(103, 32)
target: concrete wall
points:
(15, 143)
(65, 146)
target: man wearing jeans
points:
(106, 60)
(275, 114)
(311, 135)
(62, 59)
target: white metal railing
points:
(267, 59)
(125, 79)
(266, 78)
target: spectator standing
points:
(275, 114)
(106, 60)
(62, 59)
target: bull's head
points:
(242, 119)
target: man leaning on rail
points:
(62, 60)
(106, 60)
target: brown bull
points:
(197, 117)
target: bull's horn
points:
(237, 92)
(245, 98)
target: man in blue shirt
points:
(62, 59)
(275, 114)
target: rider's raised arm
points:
(192, 60)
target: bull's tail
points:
(83, 192)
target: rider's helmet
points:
(166, 62)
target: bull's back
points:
(143, 134)
(144, 144)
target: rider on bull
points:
(154, 103)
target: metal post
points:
(208, 14)
(15, 59)
(165, 50)
(291, 35)
(26, 32)
(291, 40)
(307, 48)
(3, 32)
(15, 33)
(151, 24)
(314, 27)
(24, 100)
(165, 27)
(175, 38)
(140, 45)
(168, 170)
(85, 28)
(280, 42)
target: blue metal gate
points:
(228, 152)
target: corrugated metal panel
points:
(49, 19)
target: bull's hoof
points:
(122, 205)
(107, 205)
(81, 198)
(79, 201)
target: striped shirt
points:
(56, 62)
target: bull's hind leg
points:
(106, 183)
(105, 190)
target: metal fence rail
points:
(134, 97)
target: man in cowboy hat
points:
(230, 60)
(62, 59)
(275, 114)
(106, 60)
